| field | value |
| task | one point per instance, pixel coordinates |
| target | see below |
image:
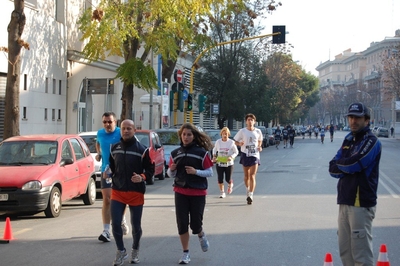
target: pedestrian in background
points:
(285, 135)
(108, 135)
(391, 131)
(224, 154)
(277, 136)
(331, 131)
(191, 165)
(322, 134)
(291, 134)
(356, 165)
(131, 165)
(250, 141)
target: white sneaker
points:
(120, 257)
(105, 236)
(185, 259)
(125, 228)
(230, 188)
(135, 256)
(222, 195)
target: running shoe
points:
(222, 195)
(120, 257)
(230, 188)
(125, 228)
(204, 242)
(185, 259)
(249, 200)
(134, 256)
(105, 236)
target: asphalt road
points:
(293, 220)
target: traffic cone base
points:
(383, 259)
(8, 231)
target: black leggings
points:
(224, 170)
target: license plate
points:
(3, 197)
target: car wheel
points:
(90, 196)
(54, 205)
(162, 175)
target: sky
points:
(321, 29)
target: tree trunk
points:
(15, 29)
(127, 102)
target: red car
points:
(150, 139)
(40, 172)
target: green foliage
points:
(134, 72)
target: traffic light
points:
(171, 100)
(280, 38)
(202, 103)
(189, 102)
(180, 101)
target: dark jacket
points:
(126, 158)
(356, 165)
(190, 155)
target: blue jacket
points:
(356, 164)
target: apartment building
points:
(60, 90)
(358, 76)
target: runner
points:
(277, 136)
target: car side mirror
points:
(157, 146)
(66, 161)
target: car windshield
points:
(213, 134)
(169, 137)
(90, 142)
(28, 152)
(143, 138)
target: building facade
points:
(359, 76)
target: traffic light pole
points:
(219, 44)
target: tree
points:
(15, 44)
(391, 74)
(117, 28)
(232, 73)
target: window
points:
(24, 114)
(79, 153)
(45, 114)
(25, 82)
(66, 151)
(59, 115)
(46, 88)
(59, 87)
(54, 86)
(53, 114)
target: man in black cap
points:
(356, 165)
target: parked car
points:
(214, 135)
(270, 136)
(382, 132)
(40, 172)
(170, 140)
(263, 129)
(90, 139)
(150, 139)
(346, 128)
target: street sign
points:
(215, 108)
(185, 95)
(179, 76)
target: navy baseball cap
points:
(358, 109)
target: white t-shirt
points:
(250, 139)
(225, 149)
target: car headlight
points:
(32, 185)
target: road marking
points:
(388, 179)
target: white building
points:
(54, 96)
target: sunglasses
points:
(108, 122)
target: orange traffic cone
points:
(7, 231)
(383, 259)
(328, 260)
